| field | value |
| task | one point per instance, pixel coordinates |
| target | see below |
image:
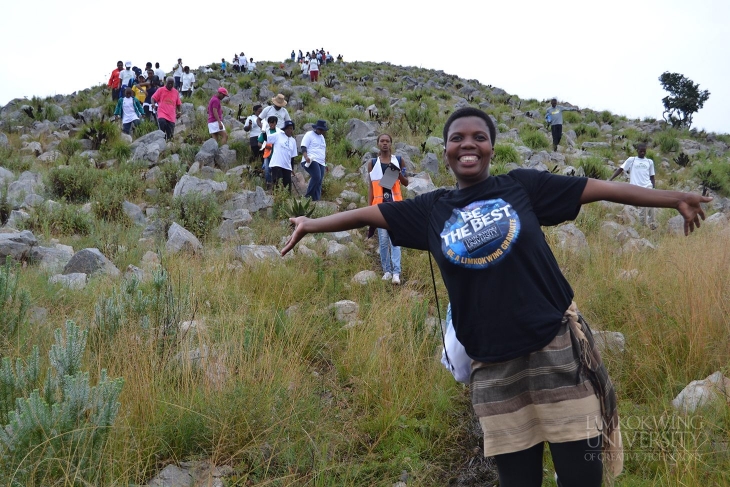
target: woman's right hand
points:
(299, 223)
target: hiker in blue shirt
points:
(554, 117)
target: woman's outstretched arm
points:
(346, 220)
(687, 204)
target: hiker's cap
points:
(223, 91)
(128, 64)
(288, 123)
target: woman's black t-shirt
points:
(506, 290)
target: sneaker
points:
(396, 278)
(387, 276)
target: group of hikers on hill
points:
(536, 375)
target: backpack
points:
(400, 163)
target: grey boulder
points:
(92, 262)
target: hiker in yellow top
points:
(554, 117)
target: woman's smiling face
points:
(469, 150)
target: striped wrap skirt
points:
(558, 394)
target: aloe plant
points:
(302, 207)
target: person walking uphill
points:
(314, 149)
(641, 173)
(168, 107)
(386, 174)
(215, 117)
(536, 374)
(554, 117)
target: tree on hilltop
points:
(684, 100)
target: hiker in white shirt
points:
(641, 173)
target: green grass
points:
(534, 139)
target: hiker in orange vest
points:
(386, 174)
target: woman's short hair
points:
(471, 112)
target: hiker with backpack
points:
(386, 174)
(641, 173)
(536, 376)
(252, 127)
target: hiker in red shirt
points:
(114, 81)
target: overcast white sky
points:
(600, 55)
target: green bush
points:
(170, 174)
(506, 153)
(69, 147)
(74, 183)
(119, 150)
(126, 180)
(57, 428)
(714, 176)
(591, 131)
(14, 302)
(571, 117)
(109, 205)
(242, 148)
(667, 141)
(145, 127)
(420, 117)
(534, 139)
(594, 167)
(198, 214)
(62, 220)
(100, 132)
(498, 168)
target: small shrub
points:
(421, 118)
(667, 141)
(62, 220)
(713, 176)
(15, 162)
(498, 168)
(571, 117)
(119, 150)
(595, 168)
(242, 148)
(198, 214)
(14, 301)
(682, 160)
(69, 147)
(506, 153)
(145, 127)
(534, 139)
(589, 130)
(57, 425)
(5, 206)
(74, 183)
(170, 174)
(100, 132)
(109, 205)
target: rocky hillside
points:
(87, 210)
